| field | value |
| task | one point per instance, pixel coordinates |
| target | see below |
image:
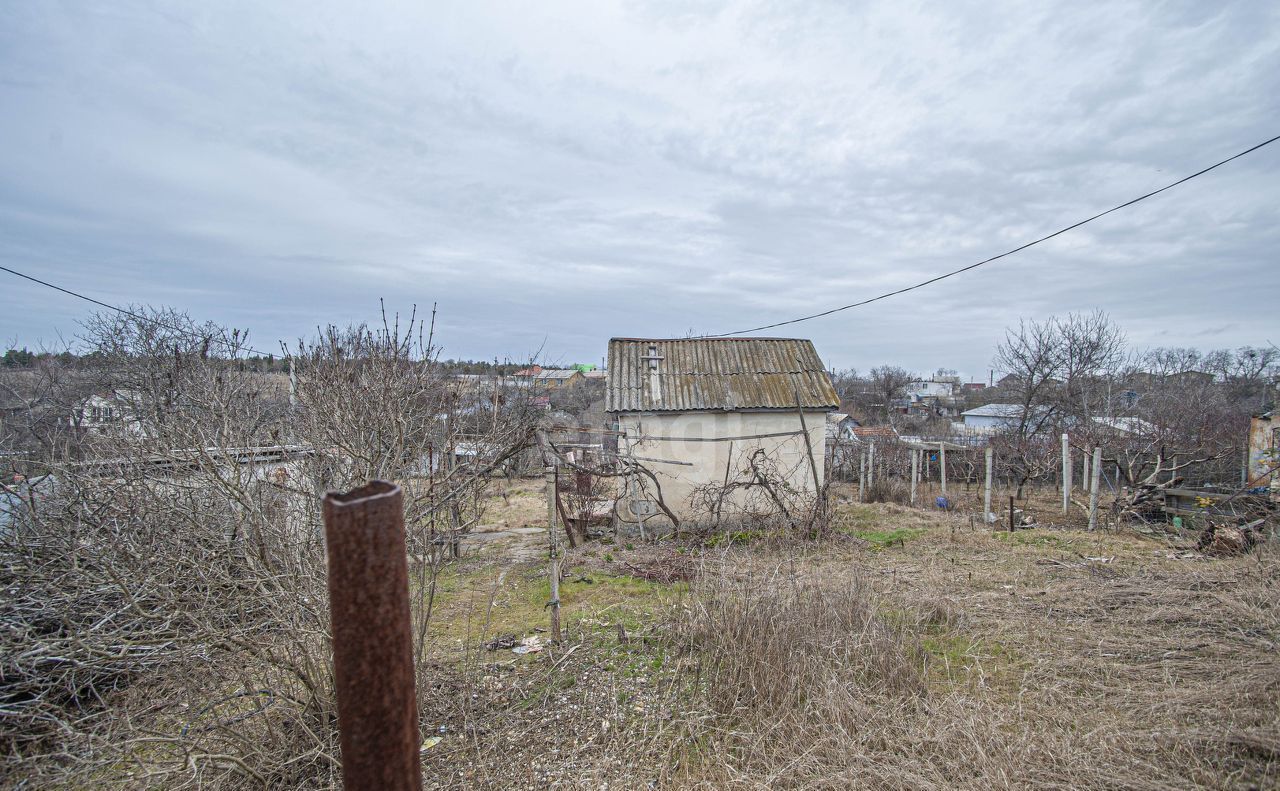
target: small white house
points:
(106, 413)
(692, 411)
(991, 417)
(931, 388)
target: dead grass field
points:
(910, 649)
(907, 651)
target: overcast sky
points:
(555, 174)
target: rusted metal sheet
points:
(684, 374)
(372, 640)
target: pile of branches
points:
(114, 585)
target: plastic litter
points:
(529, 645)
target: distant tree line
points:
(24, 358)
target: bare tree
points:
(180, 548)
(886, 384)
(1059, 371)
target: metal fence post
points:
(372, 639)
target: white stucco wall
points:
(986, 422)
(707, 460)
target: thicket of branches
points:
(1159, 415)
(165, 604)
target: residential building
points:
(550, 378)
(103, 413)
(991, 417)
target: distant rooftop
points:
(995, 410)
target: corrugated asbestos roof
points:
(716, 373)
(556, 373)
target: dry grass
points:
(1005, 661)
(937, 655)
(908, 650)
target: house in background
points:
(840, 427)
(864, 435)
(693, 410)
(928, 398)
(991, 417)
(840, 440)
(549, 378)
(106, 413)
(938, 387)
(1124, 426)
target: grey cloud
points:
(571, 172)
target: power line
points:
(1020, 248)
(190, 333)
(809, 317)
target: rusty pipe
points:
(372, 639)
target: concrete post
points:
(986, 497)
(1093, 487)
(1066, 473)
(862, 476)
(553, 551)
(942, 466)
(1084, 471)
(915, 473)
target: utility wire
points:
(1020, 248)
(122, 311)
(810, 317)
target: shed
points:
(692, 409)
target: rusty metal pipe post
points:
(372, 639)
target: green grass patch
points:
(854, 517)
(472, 606)
(883, 539)
(734, 538)
(1030, 538)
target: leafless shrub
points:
(759, 494)
(179, 549)
(889, 490)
